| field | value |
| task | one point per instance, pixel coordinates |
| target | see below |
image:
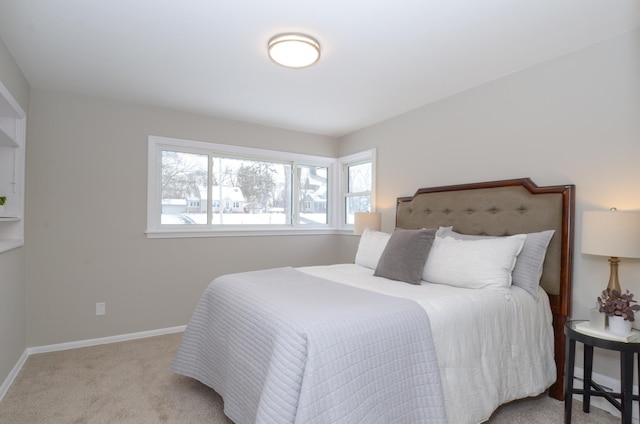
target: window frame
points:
(335, 223)
(344, 163)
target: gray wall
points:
(87, 216)
(13, 306)
(574, 119)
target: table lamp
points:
(362, 220)
(611, 233)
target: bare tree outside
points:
(183, 174)
(257, 180)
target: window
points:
(198, 189)
(313, 189)
(184, 180)
(358, 185)
(250, 191)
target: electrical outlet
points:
(101, 308)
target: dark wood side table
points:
(623, 401)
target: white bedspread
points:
(282, 346)
(492, 346)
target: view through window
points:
(358, 191)
(199, 185)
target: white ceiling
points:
(379, 58)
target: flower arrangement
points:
(614, 303)
(2, 200)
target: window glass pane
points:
(360, 177)
(356, 204)
(250, 192)
(184, 182)
(313, 190)
(357, 197)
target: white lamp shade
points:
(611, 233)
(362, 220)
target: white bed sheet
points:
(492, 346)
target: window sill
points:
(195, 233)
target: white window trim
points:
(335, 223)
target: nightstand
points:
(623, 401)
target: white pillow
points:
(473, 263)
(444, 231)
(372, 244)
(529, 265)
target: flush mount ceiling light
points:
(294, 50)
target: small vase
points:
(619, 326)
(597, 319)
(1, 210)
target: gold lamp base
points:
(614, 284)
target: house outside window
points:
(198, 189)
(313, 191)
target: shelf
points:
(8, 244)
(10, 218)
(12, 144)
(9, 107)
(7, 140)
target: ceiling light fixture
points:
(294, 50)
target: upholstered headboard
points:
(502, 208)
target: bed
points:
(348, 343)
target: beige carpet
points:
(132, 383)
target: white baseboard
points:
(599, 402)
(81, 343)
(13, 374)
(105, 340)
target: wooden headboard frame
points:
(508, 207)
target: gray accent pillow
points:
(404, 256)
(528, 269)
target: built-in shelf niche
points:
(12, 145)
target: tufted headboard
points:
(500, 208)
